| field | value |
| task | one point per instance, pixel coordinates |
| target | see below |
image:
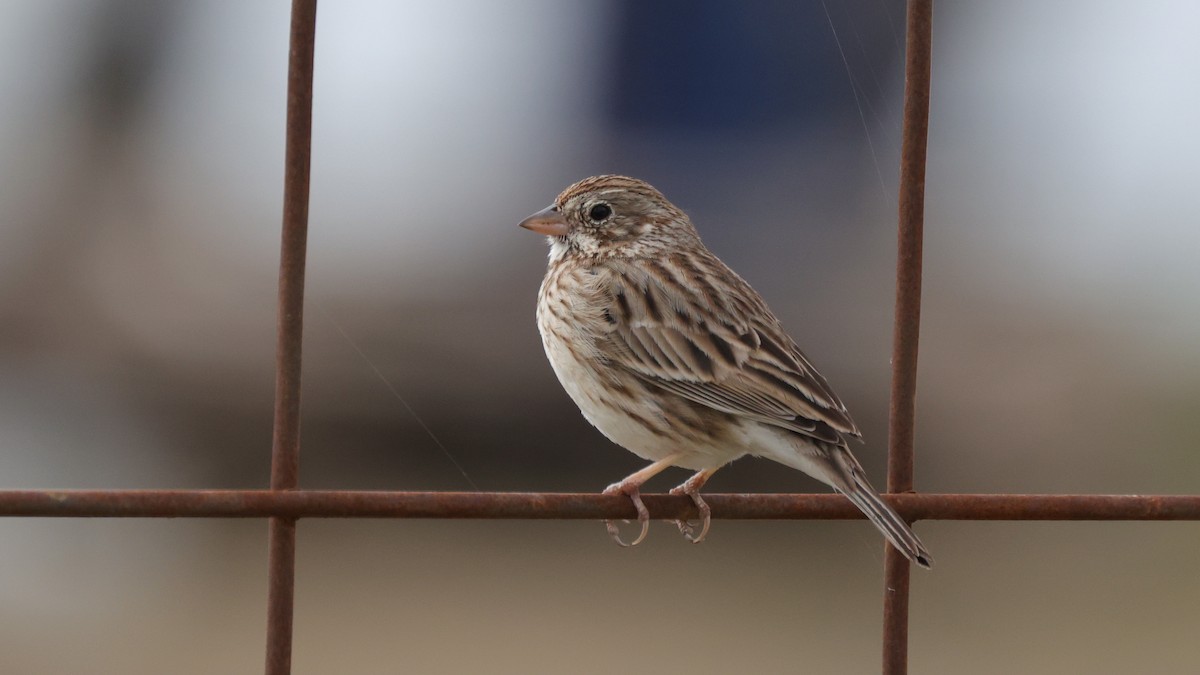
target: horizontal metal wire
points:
(576, 506)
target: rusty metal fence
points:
(284, 503)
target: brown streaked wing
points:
(741, 362)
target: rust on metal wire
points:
(285, 447)
(907, 329)
(1049, 507)
(292, 504)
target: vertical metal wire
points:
(918, 41)
(285, 449)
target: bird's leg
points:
(631, 487)
(691, 487)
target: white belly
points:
(606, 411)
(650, 423)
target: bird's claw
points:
(634, 495)
(685, 527)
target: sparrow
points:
(673, 356)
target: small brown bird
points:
(673, 356)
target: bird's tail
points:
(835, 466)
(894, 528)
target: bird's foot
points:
(691, 488)
(631, 490)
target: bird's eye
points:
(599, 212)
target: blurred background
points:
(141, 148)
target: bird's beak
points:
(548, 221)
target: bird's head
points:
(611, 216)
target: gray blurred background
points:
(141, 149)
